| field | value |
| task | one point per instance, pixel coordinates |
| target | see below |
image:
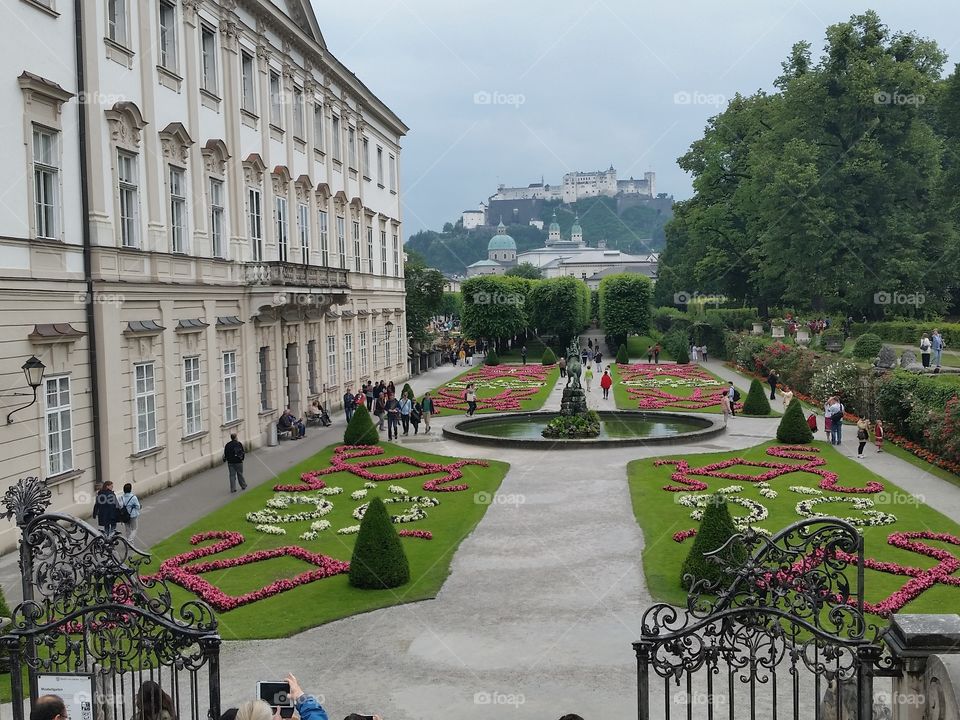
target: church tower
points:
(554, 237)
(576, 233)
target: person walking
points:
(393, 417)
(650, 353)
(233, 454)
(426, 406)
(862, 436)
(656, 353)
(470, 395)
(380, 409)
(523, 354)
(584, 355)
(562, 364)
(368, 394)
(349, 404)
(734, 395)
(605, 382)
(131, 504)
(726, 407)
(703, 353)
(786, 396)
(772, 380)
(936, 343)
(406, 407)
(694, 353)
(834, 409)
(925, 347)
(416, 414)
(598, 358)
(587, 377)
(105, 508)
(878, 435)
(461, 358)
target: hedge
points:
(908, 332)
(492, 358)
(549, 358)
(622, 357)
(793, 428)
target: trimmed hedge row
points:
(908, 332)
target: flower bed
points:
(500, 388)
(673, 387)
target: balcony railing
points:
(292, 274)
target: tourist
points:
(656, 353)
(693, 352)
(937, 344)
(590, 343)
(349, 404)
(703, 353)
(426, 406)
(523, 354)
(470, 395)
(786, 396)
(359, 400)
(316, 412)
(725, 406)
(368, 394)
(812, 422)
(772, 380)
(878, 435)
(584, 354)
(406, 407)
(650, 353)
(734, 395)
(605, 382)
(562, 364)
(380, 409)
(834, 411)
(392, 408)
(233, 454)
(377, 391)
(152, 703)
(391, 388)
(461, 358)
(288, 422)
(587, 377)
(862, 436)
(130, 503)
(925, 347)
(49, 707)
(598, 359)
(416, 414)
(105, 508)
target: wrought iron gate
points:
(784, 636)
(87, 613)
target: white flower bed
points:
(270, 516)
(270, 529)
(359, 494)
(804, 490)
(871, 518)
(397, 490)
(756, 512)
(349, 530)
(315, 529)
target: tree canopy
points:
(625, 306)
(424, 296)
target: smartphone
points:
(277, 695)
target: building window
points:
(168, 35)
(331, 361)
(263, 378)
(370, 249)
(324, 239)
(59, 426)
(366, 157)
(178, 210)
(380, 166)
(117, 21)
(335, 130)
(318, 126)
(46, 181)
(399, 343)
(386, 351)
(208, 58)
(376, 351)
(393, 173)
(298, 126)
(276, 102)
(352, 146)
(348, 357)
(146, 406)
(383, 252)
(248, 93)
(129, 199)
(312, 366)
(255, 216)
(192, 422)
(363, 354)
(230, 406)
(356, 246)
(303, 223)
(280, 213)
(216, 218)
(342, 240)
(396, 253)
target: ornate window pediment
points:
(126, 123)
(176, 142)
(281, 179)
(253, 169)
(303, 186)
(215, 156)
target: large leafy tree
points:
(525, 270)
(559, 307)
(494, 307)
(625, 306)
(424, 288)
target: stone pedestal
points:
(803, 337)
(757, 329)
(777, 331)
(930, 681)
(574, 401)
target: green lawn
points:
(637, 346)
(533, 402)
(331, 598)
(535, 348)
(660, 516)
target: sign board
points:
(76, 689)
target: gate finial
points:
(26, 499)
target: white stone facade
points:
(245, 249)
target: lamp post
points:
(388, 328)
(33, 371)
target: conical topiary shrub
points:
(408, 390)
(716, 528)
(793, 426)
(622, 357)
(549, 358)
(361, 430)
(756, 402)
(683, 356)
(492, 358)
(378, 560)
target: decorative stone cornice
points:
(126, 121)
(176, 142)
(215, 156)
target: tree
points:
(625, 306)
(756, 402)
(525, 270)
(361, 430)
(378, 561)
(451, 305)
(424, 287)
(559, 307)
(716, 529)
(793, 428)
(494, 307)
(622, 357)
(549, 358)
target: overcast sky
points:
(509, 91)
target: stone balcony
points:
(293, 275)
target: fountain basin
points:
(618, 428)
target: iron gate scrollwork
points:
(87, 609)
(784, 635)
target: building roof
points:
(648, 269)
(484, 263)
(501, 241)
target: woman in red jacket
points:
(605, 382)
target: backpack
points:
(123, 514)
(736, 395)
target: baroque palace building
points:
(200, 226)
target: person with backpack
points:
(925, 347)
(406, 407)
(734, 396)
(426, 407)
(129, 513)
(598, 358)
(862, 436)
(416, 414)
(380, 408)
(834, 410)
(233, 454)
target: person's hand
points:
(276, 714)
(295, 690)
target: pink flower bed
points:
(657, 398)
(684, 534)
(422, 534)
(504, 401)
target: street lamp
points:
(33, 372)
(388, 328)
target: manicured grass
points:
(534, 402)
(660, 516)
(331, 598)
(6, 695)
(637, 346)
(535, 348)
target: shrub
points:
(408, 390)
(586, 425)
(793, 428)
(677, 340)
(361, 430)
(831, 340)
(839, 378)
(908, 332)
(622, 357)
(745, 350)
(665, 317)
(378, 560)
(549, 358)
(756, 402)
(736, 319)
(944, 434)
(492, 358)
(867, 346)
(682, 355)
(715, 530)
